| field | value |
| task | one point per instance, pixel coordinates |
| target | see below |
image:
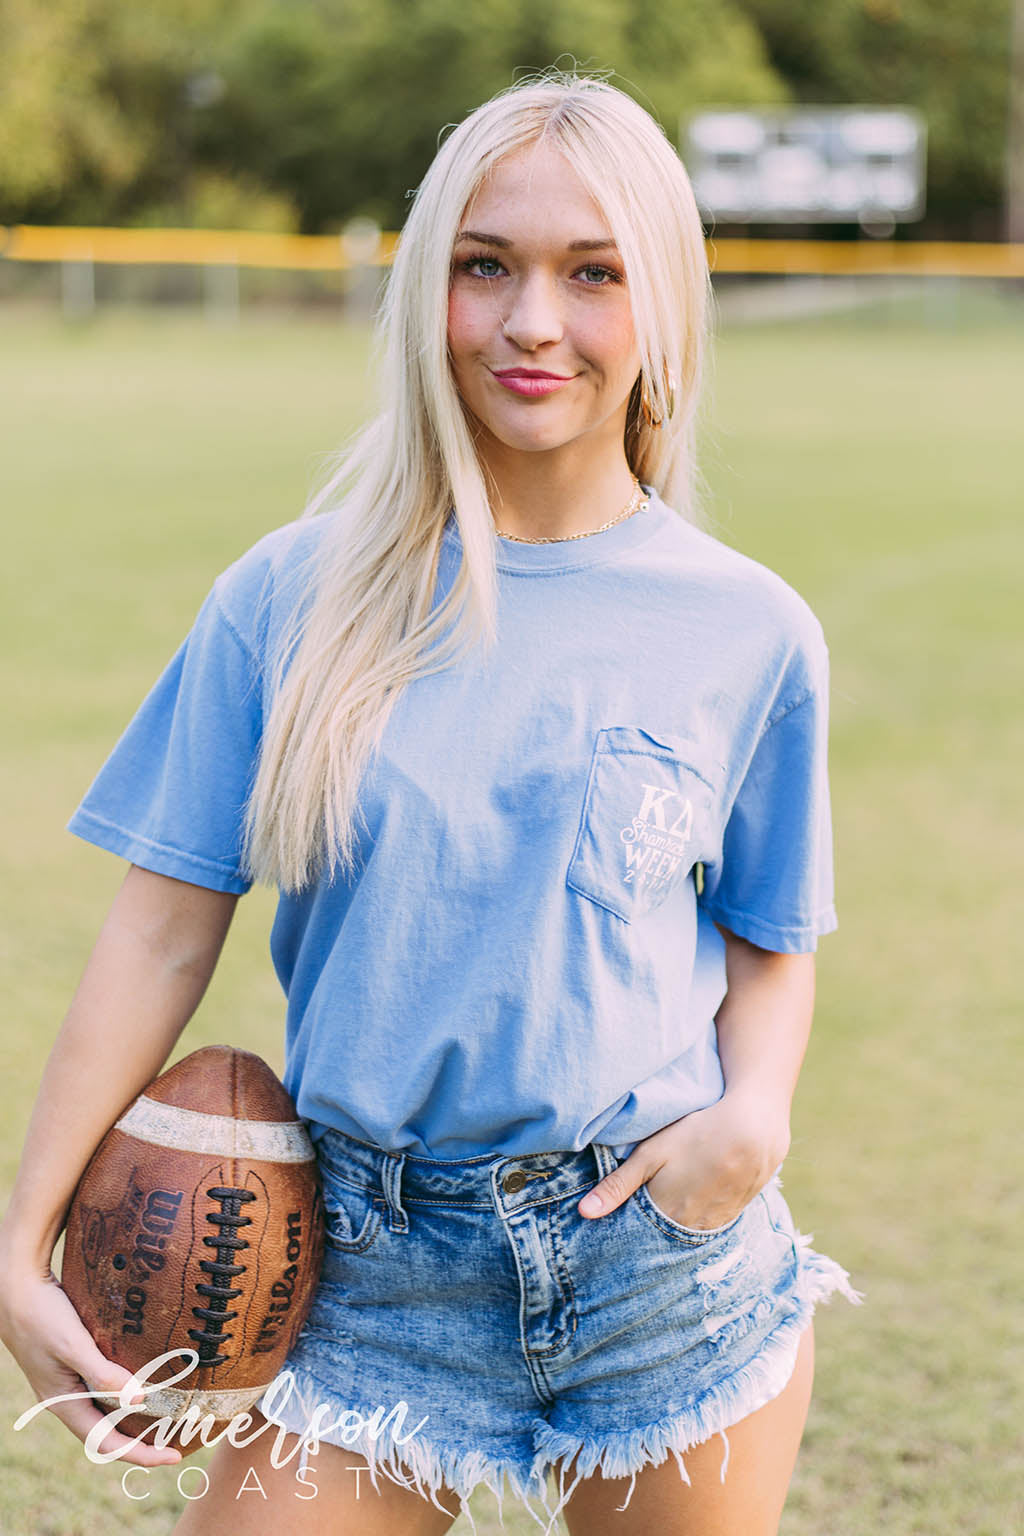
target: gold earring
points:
(670, 399)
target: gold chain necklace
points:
(637, 499)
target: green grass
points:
(873, 459)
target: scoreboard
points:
(807, 164)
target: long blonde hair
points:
(368, 628)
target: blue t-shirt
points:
(526, 957)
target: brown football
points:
(198, 1224)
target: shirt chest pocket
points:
(646, 819)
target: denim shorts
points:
(470, 1326)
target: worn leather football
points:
(198, 1224)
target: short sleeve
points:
(774, 882)
(171, 797)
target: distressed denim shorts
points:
(471, 1326)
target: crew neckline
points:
(574, 554)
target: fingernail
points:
(592, 1202)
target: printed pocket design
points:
(645, 820)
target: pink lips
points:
(528, 381)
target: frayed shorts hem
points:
(423, 1465)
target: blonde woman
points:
(539, 769)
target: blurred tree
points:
(342, 101)
(333, 105)
(949, 58)
(96, 119)
(58, 126)
(120, 112)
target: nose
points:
(534, 314)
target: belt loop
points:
(391, 1178)
(604, 1157)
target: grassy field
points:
(874, 460)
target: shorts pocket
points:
(352, 1211)
(645, 821)
(691, 1236)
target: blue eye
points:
(605, 273)
(481, 261)
(488, 267)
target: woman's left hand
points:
(703, 1169)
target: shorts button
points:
(513, 1181)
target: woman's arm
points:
(712, 1162)
(144, 979)
(763, 1027)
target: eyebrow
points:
(603, 243)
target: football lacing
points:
(222, 1271)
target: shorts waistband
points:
(508, 1181)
